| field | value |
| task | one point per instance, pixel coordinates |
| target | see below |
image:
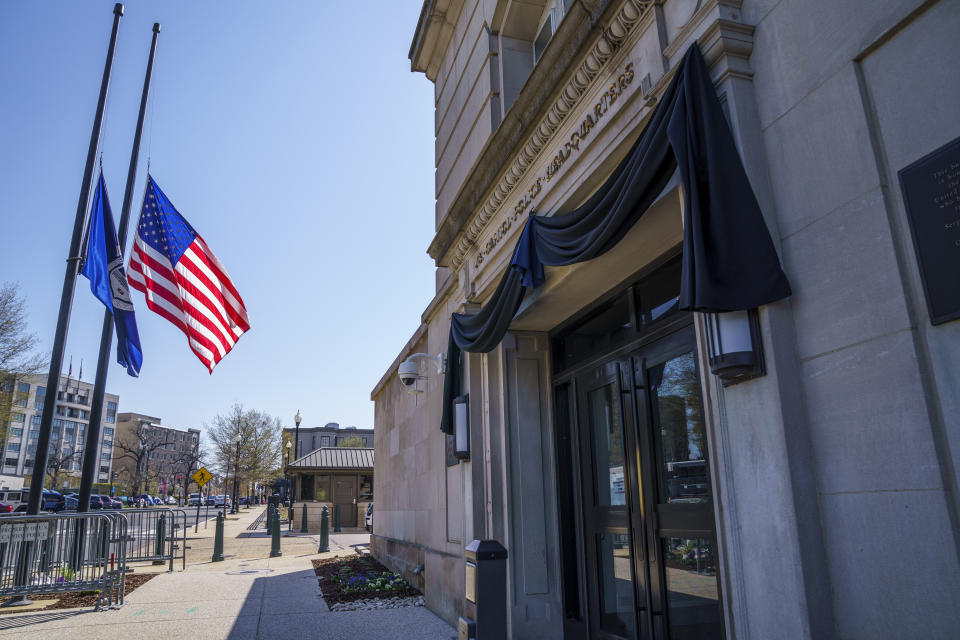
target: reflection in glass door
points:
(647, 533)
(686, 531)
(610, 589)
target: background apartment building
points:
(68, 435)
(329, 435)
(153, 457)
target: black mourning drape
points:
(729, 261)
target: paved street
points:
(249, 595)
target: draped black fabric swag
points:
(729, 262)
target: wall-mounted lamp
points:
(735, 345)
(461, 426)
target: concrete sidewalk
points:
(249, 595)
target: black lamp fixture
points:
(461, 427)
(735, 345)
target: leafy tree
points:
(260, 443)
(352, 441)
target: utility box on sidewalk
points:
(485, 592)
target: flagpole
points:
(90, 461)
(69, 281)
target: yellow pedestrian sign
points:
(202, 476)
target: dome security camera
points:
(409, 373)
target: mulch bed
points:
(83, 599)
(327, 568)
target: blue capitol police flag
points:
(103, 266)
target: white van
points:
(13, 497)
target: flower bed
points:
(353, 578)
(82, 599)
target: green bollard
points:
(324, 530)
(336, 518)
(275, 536)
(161, 534)
(218, 540)
(303, 519)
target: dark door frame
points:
(647, 520)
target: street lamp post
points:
(236, 472)
(289, 484)
(286, 461)
(296, 436)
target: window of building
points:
(313, 441)
(21, 401)
(104, 469)
(54, 435)
(16, 432)
(10, 462)
(35, 419)
(108, 432)
(38, 404)
(23, 387)
(33, 434)
(105, 455)
(13, 446)
(31, 448)
(18, 417)
(41, 391)
(366, 487)
(324, 441)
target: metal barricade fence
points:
(56, 553)
(156, 534)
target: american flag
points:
(183, 281)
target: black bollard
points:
(324, 530)
(218, 540)
(275, 536)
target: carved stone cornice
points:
(623, 22)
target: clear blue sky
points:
(292, 136)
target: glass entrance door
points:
(648, 535)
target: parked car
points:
(52, 501)
(210, 501)
(5, 508)
(71, 502)
(243, 501)
(193, 500)
(368, 519)
(115, 503)
(220, 501)
(13, 497)
(171, 500)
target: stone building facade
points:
(329, 435)
(637, 495)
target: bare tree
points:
(58, 464)
(190, 461)
(138, 446)
(17, 357)
(259, 459)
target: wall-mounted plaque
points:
(931, 193)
